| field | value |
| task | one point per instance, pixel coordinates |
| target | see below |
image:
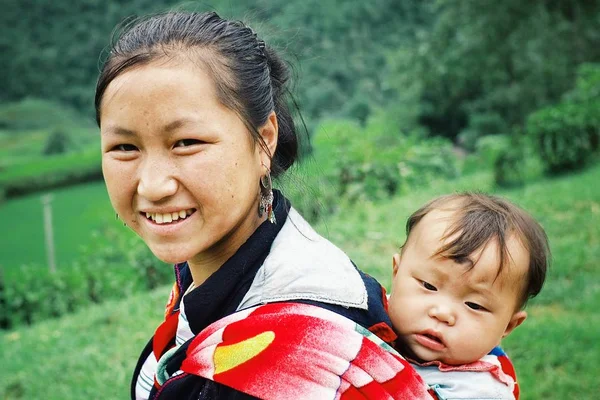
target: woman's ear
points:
(269, 134)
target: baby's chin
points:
(407, 352)
(443, 360)
(403, 348)
(412, 356)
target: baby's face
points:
(443, 311)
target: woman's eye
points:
(125, 147)
(475, 306)
(429, 286)
(186, 142)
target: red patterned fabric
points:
(288, 350)
(509, 369)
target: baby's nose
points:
(443, 314)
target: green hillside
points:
(77, 213)
(556, 354)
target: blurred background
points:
(399, 101)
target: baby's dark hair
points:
(250, 77)
(480, 218)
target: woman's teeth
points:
(166, 218)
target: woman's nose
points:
(156, 181)
(443, 313)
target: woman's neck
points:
(203, 265)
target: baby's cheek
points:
(397, 317)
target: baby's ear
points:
(395, 263)
(516, 320)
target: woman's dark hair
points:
(249, 76)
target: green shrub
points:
(509, 169)
(313, 193)
(58, 142)
(125, 267)
(587, 84)
(516, 161)
(378, 161)
(427, 160)
(487, 151)
(31, 114)
(567, 135)
(481, 125)
(489, 148)
(51, 172)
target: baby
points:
(460, 284)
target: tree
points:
(485, 65)
(58, 142)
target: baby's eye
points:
(475, 306)
(429, 286)
(125, 147)
(186, 142)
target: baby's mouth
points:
(431, 340)
(433, 337)
(169, 218)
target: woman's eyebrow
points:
(168, 128)
(116, 130)
(178, 123)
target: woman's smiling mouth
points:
(168, 217)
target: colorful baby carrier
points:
(294, 350)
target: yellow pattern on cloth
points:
(230, 356)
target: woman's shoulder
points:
(303, 265)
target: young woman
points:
(194, 125)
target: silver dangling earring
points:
(266, 197)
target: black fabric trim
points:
(225, 289)
(138, 366)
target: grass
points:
(91, 354)
(50, 166)
(87, 355)
(77, 212)
(13, 149)
(23, 149)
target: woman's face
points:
(181, 169)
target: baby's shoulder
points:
(491, 377)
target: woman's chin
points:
(171, 249)
(169, 257)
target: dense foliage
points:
(52, 48)
(483, 66)
(105, 272)
(567, 135)
(352, 163)
(467, 68)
